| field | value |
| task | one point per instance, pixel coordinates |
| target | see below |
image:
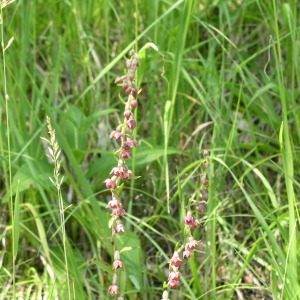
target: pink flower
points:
(196, 224)
(174, 275)
(187, 254)
(114, 203)
(125, 154)
(117, 171)
(119, 228)
(175, 261)
(122, 171)
(110, 184)
(191, 245)
(127, 175)
(173, 284)
(189, 219)
(117, 264)
(128, 145)
(113, 290)
(117, 212)
(117, 135)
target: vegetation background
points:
(219, 75)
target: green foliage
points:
(215, 75)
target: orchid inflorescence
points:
(123, 134)
(190, 224)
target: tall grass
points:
(220, 76)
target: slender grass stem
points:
(287, 155)
(13, 206)
(57, 180)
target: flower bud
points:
(201, 207)
(135, 63)
(110, 184)
(204, 180)
(204, 196)
(131, 124)
(130, 76)
(120, 79)
(128, 90)
(133, 104)
(128, 63)
(125, 86)
(205, 153)
(127, 114)
(134, 92)
(131, 52)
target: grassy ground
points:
(221, 76)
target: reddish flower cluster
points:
(122, 134)
(190, 223)
(176, 262)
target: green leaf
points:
(131, 255)
(146, 155)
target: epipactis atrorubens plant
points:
(185, 251)
(124, 135)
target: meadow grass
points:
(221, 76)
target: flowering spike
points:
(123, 134)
